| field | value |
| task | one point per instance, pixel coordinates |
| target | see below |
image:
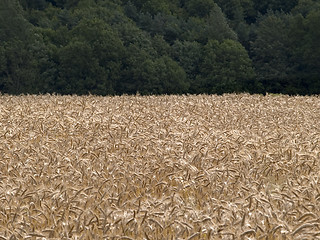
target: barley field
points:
(159, 167)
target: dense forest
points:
(108, 47)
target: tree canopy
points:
(111, 47)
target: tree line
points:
(111, 47)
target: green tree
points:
(64, 3)
(249, 12)
(18, 69)
(312, 43)
(12, 22)
(275, 5)
(271, 51)
(199, 8)
(131, 11)
(304, 40)
(232, 9)
(217, 26)
(160, 45)
(154, 7)
(3, 68)
(77, 66)
(167, 25)
(167, 46)
(135, 61)
(240, 14)
(188, 55)
(225, 67)
(171, 78)
(238, 11)
(33, 4)
(92, 59)
(149, 70)
(46, 61)
(304, 7)
(213, 27)
(139, 51)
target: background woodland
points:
(111, 47)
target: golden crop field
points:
(160, 167)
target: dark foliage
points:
(159, 46)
